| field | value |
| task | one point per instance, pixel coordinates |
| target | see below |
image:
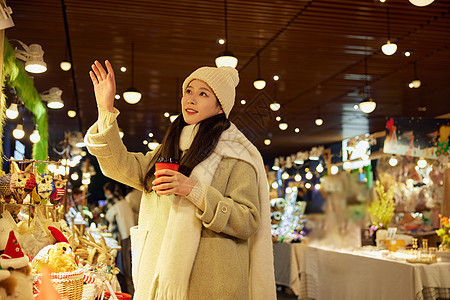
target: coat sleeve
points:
(114, 159)
(236, 211)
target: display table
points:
(287, 265)
(333, 274)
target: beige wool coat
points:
(230, 217)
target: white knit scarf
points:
(182, 234)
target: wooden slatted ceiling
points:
(317, 47)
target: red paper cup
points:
(166, 163)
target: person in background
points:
(204, 230)
(120, 219)
(134, 200)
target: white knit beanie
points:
(222, 81)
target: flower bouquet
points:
(381, 210)
(444, 234)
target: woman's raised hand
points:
(104, 85)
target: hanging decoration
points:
(427, 138)
(16, 77)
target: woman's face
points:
(199, 102)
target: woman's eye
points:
(203, 94)
(188, 91)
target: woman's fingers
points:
(96, 72)
(109, 68)
(93, 78)
(100, 69)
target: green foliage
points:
(381, 210)
(17, 78)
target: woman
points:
(204, 231)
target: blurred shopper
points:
(120, 219)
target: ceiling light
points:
(123, 69)
(318, 120)
(71, 113)
(393, 161)
(309, 175)
(297, 177)
(274, 185)
(334, 170)
(150, 134)
(276, 164)
(35, 137)
(243, 102)
(259, 83)
(33, 56)
(297, 130)
(74, 176)
(411, 85)
(18, 132)
(145, 142)
(53, 98)
(221, 41)
(319, 168)
(388, 48)
(367, 105)
(12, 112)
(276, 77)
(308, 185)
(132, 95)
(283, 126)
(275, 106)
(267, 142)
(172, 118)
(117, 97)
(416, 83)
(226, 58)
(65, 65)
(355, 106)
(317, 186)
(166, 114)
(152, 145)
(421, 2)
(407, 53)
(285, 175)
(422, 163)
(278, 118)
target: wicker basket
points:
(69, 284)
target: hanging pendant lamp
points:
(389, 48)
(367, 105)
(132, 95)
(275, 106)
(226, 58)
(259, 83)
(415, 83)
(421, 2)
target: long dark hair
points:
(206, 139)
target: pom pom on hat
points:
(13, 256)
(222, 81)
(57, 234)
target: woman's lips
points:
(190, 111)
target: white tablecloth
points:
(331, 274)
(287, 265)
